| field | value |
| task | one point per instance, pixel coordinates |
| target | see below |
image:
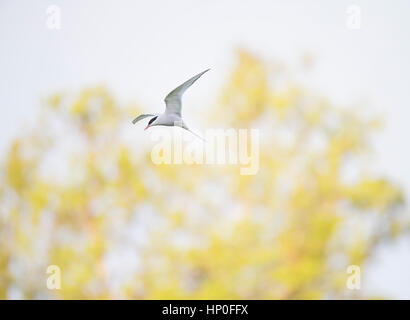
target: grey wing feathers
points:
(173, 99)
(142, 116)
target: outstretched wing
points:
(173, 99)
(142, 116)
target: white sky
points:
(141, 49)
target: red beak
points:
(146, 127)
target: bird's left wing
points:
(142, 116)
(173, 99)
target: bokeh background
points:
(78, 189)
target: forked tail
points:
(195, 134)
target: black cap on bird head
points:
(150, 122)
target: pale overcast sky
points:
(138, 49)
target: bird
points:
(173, 104)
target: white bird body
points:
(168, 120)
(172, 115)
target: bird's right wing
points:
(142, 116)
(173, 99)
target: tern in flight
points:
(172, 115)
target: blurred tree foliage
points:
(77, 192)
